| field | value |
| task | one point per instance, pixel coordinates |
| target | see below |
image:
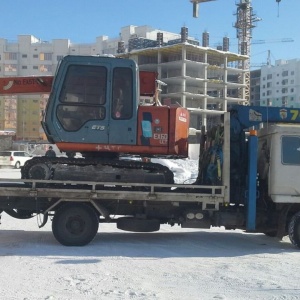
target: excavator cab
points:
(93, 101)
(94, 109)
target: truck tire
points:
(294, 230)
(138, 225)
(75, 224)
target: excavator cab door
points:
(82, 107)
(123, 108)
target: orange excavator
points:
(94, 109)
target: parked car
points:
(15, 159)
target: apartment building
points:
(198, 77)
(280, 84)
(255, 77)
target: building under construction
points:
(203, 79)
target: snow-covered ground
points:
(173, 263)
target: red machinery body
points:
(94, 108)
(161, 131)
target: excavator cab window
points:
(82, 97)
(122, 103)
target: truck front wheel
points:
(75, 224)
(294, 230)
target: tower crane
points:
(245, 22)
(196, 6)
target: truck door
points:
(123, 107)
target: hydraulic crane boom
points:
(25, 85)
(43, 84)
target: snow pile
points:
(185, 170)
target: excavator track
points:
(96, 169)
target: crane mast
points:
(245, 22)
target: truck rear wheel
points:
(75, 224)
(294, 230)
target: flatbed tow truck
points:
(248, 175)
(270, 203)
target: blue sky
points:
(83, 21)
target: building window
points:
(285, 73)
(35, 67)
(24, 67)
(45, 56)
(269, 93)
(292, 73)
(284, 81)
(292, 81)
(269, 84)
(269, 76)
(264, 86)
(264, 78)
(24, 55)
(264, 94)
(284, 100)
(10, 56)
(292, 90)
(284, 90)
(35, 56)
(46, 68)
(10, 68)
(48, 56)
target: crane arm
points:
(249, 116)
(43, 84)
(25, 85)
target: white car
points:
(15, 159)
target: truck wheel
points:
(138, 225)
(75, 224)
(294, 230)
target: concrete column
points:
(183, 74)
(204, 102)
(224, 104)
(159, 64)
